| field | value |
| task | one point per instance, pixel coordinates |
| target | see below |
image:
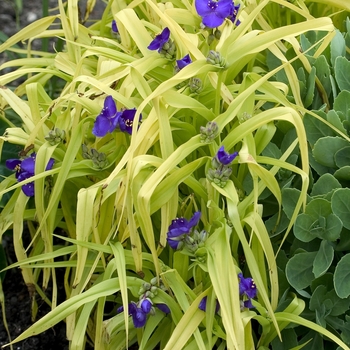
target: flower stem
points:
(218, 94)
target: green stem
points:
(218, 94)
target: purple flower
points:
(25, 169)
(247, 290)
(213, 12)
(108, 119)
(126, 120)
(139, 312)
(146, 305)
(114, 27)
(164, 308)
(158, 42)
(203, 305)
(225, 158)
(234, 13)
(183, 62)
(179, 228)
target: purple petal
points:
(126, 120)
(184, 61)
(101, 126)
(174, 243)
(146, 305)
(247, 286)
(194, 219)
(120, 309)
(224, 8)
(109, 109)
(212, 21)
(248, 304)
(114, 26)
(159, 40)
(24, 175)
(203, 8)
(164, 308)
(28, 165)
(104, 125)
(28, 189)
(177, 232)
(212, 12)
(12, 164)
(224, 157)
(139, 318)
(50, 164)
(203, 304)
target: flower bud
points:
(195, 85)
(56, 136)
(215, 59)
(209, 132)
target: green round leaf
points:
(341, 205)
(325, 184)
(343, 173)
(299, 270)
(326, 148)
(323, 259)
(318, 207)
(341, 70)
(342, 157)
(302, 228)
(342, 277)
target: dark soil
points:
(17, 297)
(18, 311)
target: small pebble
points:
(31, 17)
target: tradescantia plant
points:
(170, 163)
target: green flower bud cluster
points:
(209, 132)
(219, 175)
(195, 241)
(168, 50)
(99, 159)
(56, 136)
(216, 59)
(195, 85)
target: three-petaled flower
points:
(247, 290)
(233, 14)
(180, 228)
(214, 12)
(109, 119)
(225, 158)
(25, 169)
(160, 40)
(139, 311)
(183, 62)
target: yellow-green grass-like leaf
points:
(187, 327)
(18, 105)
(79, 335)
(119, 257)
(18, 223)
(232, 200)
(32, 30)
(69, 306)
(295, 307)
(255, 222)
(84, 227)
(219, 264)
(336, 3)
(288, 317)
